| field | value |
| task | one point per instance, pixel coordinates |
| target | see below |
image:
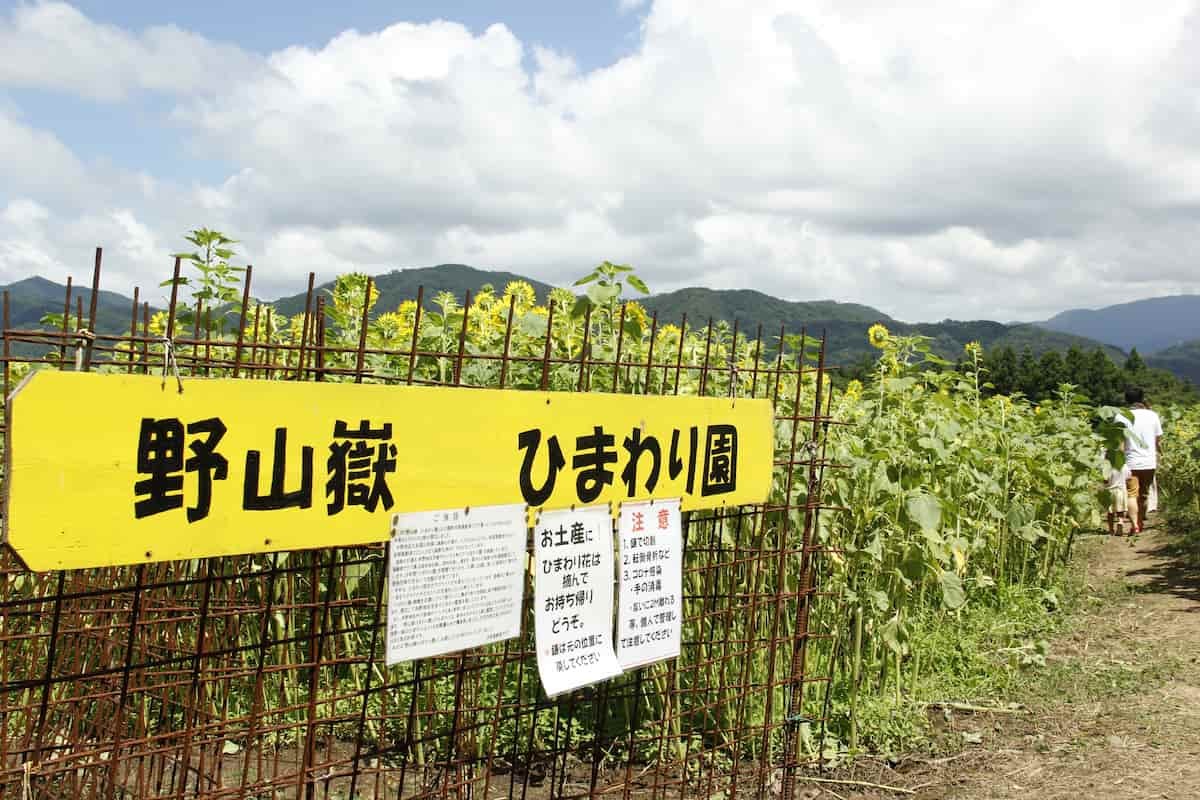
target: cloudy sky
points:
(956, 158)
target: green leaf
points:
(895, 635)
(1030, 533)
(639, 284)
(875, 548)
(633, 328)
(925, 510)
(878, 599)
(582, 304)
(602, 295)
(533, 325)
(953, 594)
(586, 279)
(913, 565)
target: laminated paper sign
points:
(651, 609)
(573, 598)
(455, 580)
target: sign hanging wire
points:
(169, 358)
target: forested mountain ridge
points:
(1149, 325)
(1026, 357)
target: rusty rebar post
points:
(91, 329)
(66, 323)
(462, 339)
(308, 300)
(549, 344)
(133, 320)
(241, 331)
(361, 356)
(416, 333)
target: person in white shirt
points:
(1141, 451)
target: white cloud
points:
(999, 160)
(35, 241)
(35, 161)
(52, 45)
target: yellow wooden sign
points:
(115, 469)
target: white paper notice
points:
(455, 580)
(651, 610)
(573, 598)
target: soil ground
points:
(1115, 714)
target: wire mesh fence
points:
(264, 676)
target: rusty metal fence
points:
(264, 676)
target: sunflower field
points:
(957, 508)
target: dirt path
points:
(1118, 715)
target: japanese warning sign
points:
(243, 466)
(573, 598)
(650, 611)
(455, 580)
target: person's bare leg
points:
(1132, 490)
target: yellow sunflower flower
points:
(637, 312)
(407, 311)
(158, 323)
(562, 299)
(525, 294)
(392, 326)
(668, 330)
(877, 335)
(482, 301)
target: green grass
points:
(1002, 653)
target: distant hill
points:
(1181, 359)
(845, 323)
(30, 298)
(1149, 325)
(399, 285)
(748, 305)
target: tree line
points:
(1092, 372)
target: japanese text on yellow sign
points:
(239, 466)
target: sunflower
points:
(973, 349)
(408, 311)
(525, 294)
(668, 330)
(854, 390)
(158, 323)
(393, 325)
(877, 335)
(562, 299)
(483, 301)
(637, 312)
